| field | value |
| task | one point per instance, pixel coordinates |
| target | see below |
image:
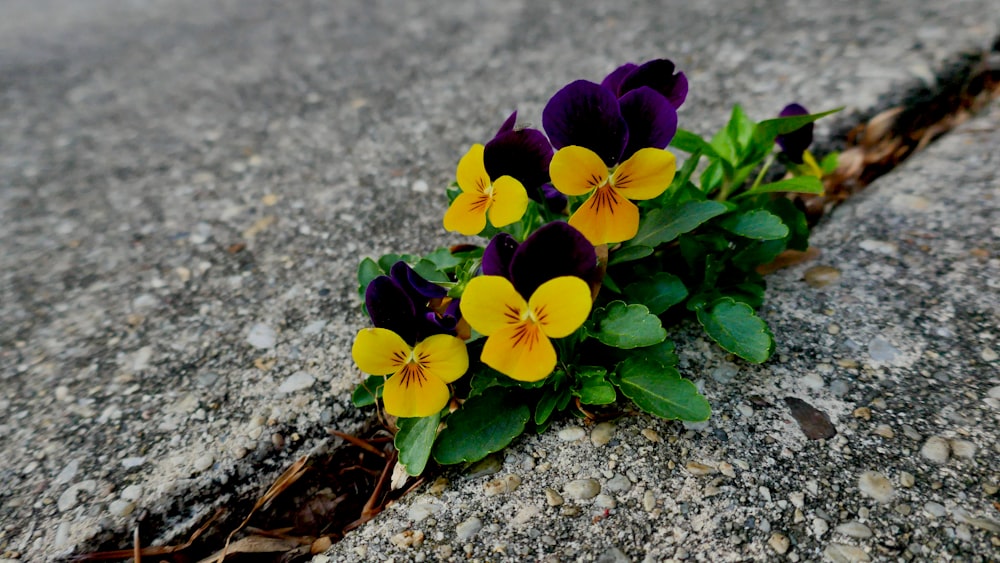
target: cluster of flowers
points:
(605, 146)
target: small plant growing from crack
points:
(594, 239)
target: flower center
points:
(412, 372)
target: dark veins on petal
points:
(586, 114)
(652, 121)
(554, 250)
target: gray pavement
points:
(174, 174)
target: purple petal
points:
(498, 254)
(652, 120)
(585, 114)
(794, 144)
(416, 287)
(554, 250)
(509, 124)
(555, 200)
(659, 75)
(523, 154)
(614, 80)
(390, 307)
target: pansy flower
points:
(610, 149)
(498, 179)
(795, 144)
(659, 74)
(416, 351)
(529, 294)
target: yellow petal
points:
(576, 170)
(442, 356)
(606, 217)
(520, 351)
(413, 393)
(379, 351)
(490, 303)
(467, 214)
(646, 174)
(510, 199)
(471, 174)
(560, 305)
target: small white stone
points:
(68, 473)
(813, 381)
(525, 515)
(935, 450)
(963, 448)
(121, 507)
(298, 381)
(988, 355)
(602, 434)
(840, 553)
(572, 434)
(203, 462)
(132, 492)
(68, 499)
(314, 327)
(876, 486)
(466, 530)
(798, 499)
(879, 246)
(605, 501)
(130, 462)
(854, 529)
(61, 539)
(582, 489)
(907, 479)
(420, 186)
(420, 510)
(779, 543)
(262, 336)
(648, 501)
(819, 527)
(934, 509)
(994, 392)
(553, 497)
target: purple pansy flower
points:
(554, 250)
(523, 154)
(661, 75)
(402, 303)
(794, 144)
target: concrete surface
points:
(186, 189)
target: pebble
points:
(779, 543)
(486, 466)
(419, 510)
(468, 529)
(821, 276)
(525, 515)
(798, 499)
(503, 485)
(553, 497)
(132, 492)
(963, 532)
(854, 529)
(408, 538)
(121, 507)
(963, 448)
(298, 381)
(906, 479)
(420, 186)
(841, 553)
(819, 527)
(203, 462)
(963, 516)
(934, 509)
(727, 469)
(648, 501)
(261, 336)
(725, 372)
(130, 462)
(605, 501)
(314, 327)
(613, 555)
(572, 434)
(651, 435)
(61, 539)
(68, 499)
(839, 388)
(602, 434)
(881, 350)
(813, 381)
(619, 484)
(876, 486)
(988, 355)
(935, 450)
(879, 246)
(911, 433)
(700, 469)
(885, 431)
(994, 392)
(582, 489)
(68, 473)
(746, 411)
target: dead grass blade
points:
(138, 553)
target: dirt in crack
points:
(319, 499)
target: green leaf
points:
(658, 293)
(723, 145)
(769, 129)
(367, 271)
(758, 252)
(660, 390)
(737, 329)
(547, 403)
(593, 387)
(664, 225)
(443, 259)
(429, 271)
(485, 424)
(414, 441)
(691, 143)
(829, 163)
(739, 129)
(628, 254)
(626, 326)
(757, 224)
(366, 393)
(485, 377)
(712, 176)
(794, 218)
(662, 353)
(800, 184)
